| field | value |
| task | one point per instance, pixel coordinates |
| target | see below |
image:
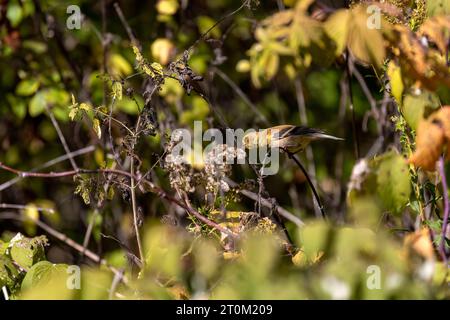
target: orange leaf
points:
(430, 140)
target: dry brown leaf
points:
(432, 138)
(418, 60)
(437, 31)
(442, 118)
(421, 243)
(179, 292)
(429, 142)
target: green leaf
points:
(42, 272)
(27, 251)
(14, 13)
(204, 23)
(52, 97)
(415, 107)
(393, 181)
(37, 104)
(46, 280)
(438, 7)
(313, 238)
(27, 87)
(18, 105)
(37, 46)
(8, 273)
(129, 106)
(95, 284)
(3, 247)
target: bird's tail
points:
(321, 135)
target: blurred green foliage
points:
(279, 62)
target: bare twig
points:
(442, 249)
(319, 203)
(242, 95)
(62, 237)
(51, 175)
(115, 283)
(135, 214)
(266, 203)
(351, 105)
(244, 4)
(62, 139)
(23, 207)
(125, 24)
(47, 164)
(304, 121)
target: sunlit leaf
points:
(27, 87)
(393, 181)
(395, 76)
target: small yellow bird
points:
(289, 138)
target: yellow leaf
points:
(337, 29)
(31, 214)
(395, 76)
(96, 127)
(119, 66)
(271, 65)
(421, 243)
(162, 50)
(231, 255)
(243, 66)
(168, 7)
(365, 43)
(157, 68)
(117, 90)
(85, 107)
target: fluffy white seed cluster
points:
(218, 165)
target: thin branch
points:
(242, 95)
(62, 139)
(47, 164)
(442, 249)
(351, 105)
(319, 203)
(51, 175)
(304, 121)
(115, 283)
(125, 24)
(373, 103)
(23, 207)
(160, 192)
(266, 203)
(68, 241)
(90, 227)
(135, 214)
(202, 218)
(244, 4)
